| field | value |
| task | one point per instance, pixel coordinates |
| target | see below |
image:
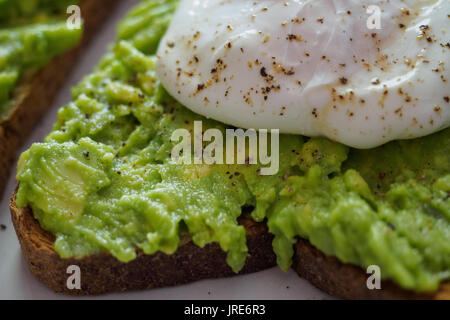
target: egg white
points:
(313, 67)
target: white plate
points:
(16, 281)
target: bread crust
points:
(35, 94)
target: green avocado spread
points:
(31, 33)
(103, 180)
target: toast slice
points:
(102, 273)
(348, 281)
(35, 94)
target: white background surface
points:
(16, 281)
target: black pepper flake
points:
(263, 72)
(171, 44)
(447, 99)
(291, 37)
(86, 154)
(390, 225)
(343, 80)
(2, 227)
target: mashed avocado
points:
(103, 180)
(31, 33)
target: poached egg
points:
(358, 72)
